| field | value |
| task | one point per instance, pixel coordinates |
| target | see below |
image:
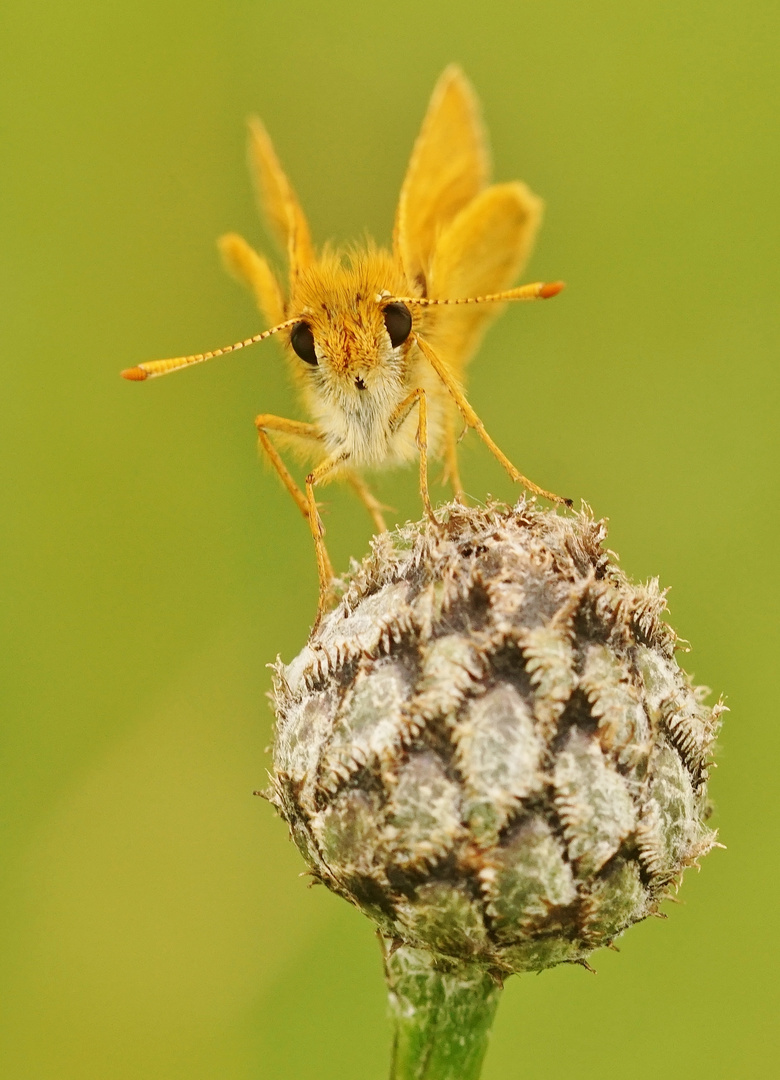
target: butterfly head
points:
(351, 336)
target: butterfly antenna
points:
(538, 290)
(152, 368)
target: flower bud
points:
(488, 745)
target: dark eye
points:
(398, 321)
(302, 340)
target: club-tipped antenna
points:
(152, 368)
(537, 290)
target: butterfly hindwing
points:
(253, 270)
(483, 250)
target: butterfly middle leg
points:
(369, 500)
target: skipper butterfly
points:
(378, 340)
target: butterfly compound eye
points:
(302, 340)
(398, 323)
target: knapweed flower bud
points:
(489, 747)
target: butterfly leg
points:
(418, 398)
(324, 568)
(369, 500)
(451, 470)
(267, 422)
(474, 421)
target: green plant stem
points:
(442, 1017)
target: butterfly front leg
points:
(324, 568)
(397, 417)
(451, 470)
(266, 422)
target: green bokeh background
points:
(154, 924)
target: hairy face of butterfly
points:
(352, 337)
(346, 307)
(356, 352)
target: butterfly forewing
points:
(448, 168)
(278, 200)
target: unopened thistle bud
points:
(489, 747)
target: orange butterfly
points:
(378, 340)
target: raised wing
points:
(482, 251)
(448, 168)
(278, 200)
(253, 270)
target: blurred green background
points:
(154, 924)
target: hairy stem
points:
(442, 1017)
